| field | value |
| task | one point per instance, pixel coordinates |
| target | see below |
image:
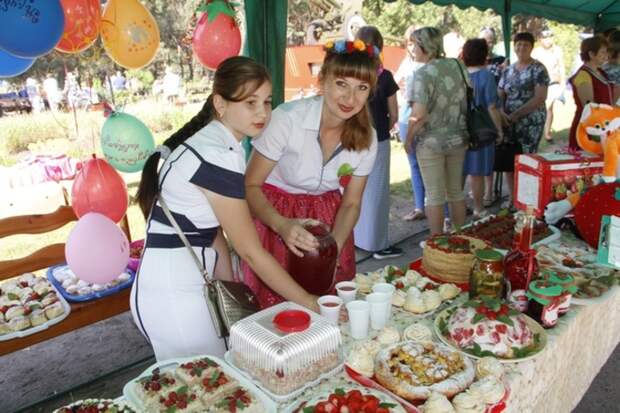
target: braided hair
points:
(236, 78)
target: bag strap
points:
(469, 90)
(203, 271)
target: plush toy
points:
(598, 132)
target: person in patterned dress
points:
(523, 91)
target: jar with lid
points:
(520, 263)
(544, 302)
(487, 274)
(567, 282)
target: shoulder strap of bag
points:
(203, 271)
(468, 89)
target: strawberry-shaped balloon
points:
(217, 36)
(596, 202)
(345, 172)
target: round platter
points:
(537, 329)
(299, 405)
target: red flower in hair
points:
(350, 47)
(370, 50)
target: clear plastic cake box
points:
(284, 364)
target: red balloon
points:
(82, 24)
(216, 41)
(99, 188)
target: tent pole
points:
(507, 27)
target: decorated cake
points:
(449, 257)
(284, 362)
(199, 385)
(499, 230)
(360, 400)
(487, 327)
(413, 370)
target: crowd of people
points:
(324, 160)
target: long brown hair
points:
(236, 78)
(357, 130)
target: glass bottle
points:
(520, 263)
(567, 282)
(544, 302)
(487, 274)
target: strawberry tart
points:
(449, 257)
(487, 327)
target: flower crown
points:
(346, 47)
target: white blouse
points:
(292, 140)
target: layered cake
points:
(449, 257)
(284, 362)
(414, 370)
(489, 328)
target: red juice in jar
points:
(520, 264)
(315, 271)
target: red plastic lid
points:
(291, 321)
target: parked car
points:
(15, 102)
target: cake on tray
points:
(449, 257)
(284, 362)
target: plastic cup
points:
(388, 290)
(347, 290)
(330, 307)
(359, 314)
(378, 310)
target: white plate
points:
(532, 324)
(593, 300)
(129, 391)
(122, 403)
(32, 330)
(383, 398)
(282, 398)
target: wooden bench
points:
(82, 314)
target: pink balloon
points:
(214, 42)
(99, 188)
(97, 250)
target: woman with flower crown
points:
(312, 162)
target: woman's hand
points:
(312, 303)
(296, 237)
(505, 119)
(408, 146)
(500, 137)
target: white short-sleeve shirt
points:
(292, 140)
(211, 159)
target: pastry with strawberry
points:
(238, 400)
(194, 372)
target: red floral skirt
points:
(320, 207)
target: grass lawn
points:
(400, 185)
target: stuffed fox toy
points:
(598, 132)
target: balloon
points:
(99, 188)
(30, 28)
(126, 142)
(129, 32)
(97, 250)
(216, 41)
(82, 23)
(12, 65)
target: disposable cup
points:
(359, 315)
(347, 290)
(388, 290)
(378, 310)
(330, 307)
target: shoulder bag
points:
(482, 130)
(228, 301)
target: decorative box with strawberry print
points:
(548, 177)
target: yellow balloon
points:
(129, 33)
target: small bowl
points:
(134, 263)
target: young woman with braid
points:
(202, 182)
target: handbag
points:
(506, 152)
(227, 301)
(482, 130)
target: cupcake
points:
(437, 403)
(490, 389)
(431, 299)
(468, 402)
(489, 366)
(389, 335)
(418, 332)
(448, 291)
